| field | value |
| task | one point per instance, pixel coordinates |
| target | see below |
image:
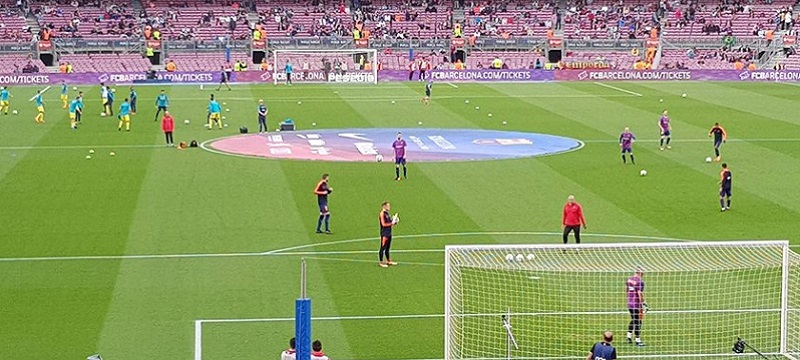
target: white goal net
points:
(326, 66)
(558, 299)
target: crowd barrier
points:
(400, 75)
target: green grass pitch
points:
(66, 220)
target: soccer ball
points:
(112, 154)
(113, 90)
(186, 121)
(708, 159)
(643, 173)
(102, 114)
(379, 158)
(15, 112)
(531, 257)
(509, 257)
(466, 101)
(683, 95)
(227, 110)
(477, 108)
(490, 114)
(520, 258)
(74, 88)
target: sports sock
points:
(638, 340)
(319, 222)
(662, 141)
(722, 203)
(328, 222)
(624, 161)
(630, 335)
(128, 126)
(405, 172)
(729, 202)
(633, 161)
(120, 125)
(396, 172)
(716, 151)
(668, 140)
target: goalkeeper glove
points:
(645, 308)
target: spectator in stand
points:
(171, 67)
(316, 351)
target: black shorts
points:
(725, 192)
(162, 108)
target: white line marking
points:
(697, 140)
(618, 89)
(288, 250)
(452, 85)
(530, 314)
(68, 147)
(373, 262)
(198, 340)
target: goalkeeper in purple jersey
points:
(399, 147)
(637, 307)
(665, 129)
(626, 139)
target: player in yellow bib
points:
(64, 102)
(4, 103)
(39, 119)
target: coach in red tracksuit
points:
(168, 125)
(572, 219)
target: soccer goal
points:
(326, 66)
(554, 301)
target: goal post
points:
(702, 297)
(326, 66)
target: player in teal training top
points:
(162, 103)
(63, 94)
(214, 113)
(288, 70)
(4, 104)
(124, 115)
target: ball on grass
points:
(227, 110)
(392, 101)
(419, 122)
(103, 114)
(225, 125)
(299, 103)
(509, 257)
(531, 257)
(643, 172)
(15, 112)
(313, 124)
(660, 100)
(91, 151)
(224, 103)
(504, 122)
(708, 159)
(112, 154)
(477, 108)
(490, 114)
(683, 95)
(466, 101)
(520, 258)
(88, 157)
(379, 158)
(74, 88)
(186, 121)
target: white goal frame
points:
(353, 77)
(451, 285)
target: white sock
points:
(629, 335)
(638, 340)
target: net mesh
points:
(701, 299)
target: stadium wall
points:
(400, 75)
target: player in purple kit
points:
(626, 139)
(666, 130)
(399, 147)
(634, 288)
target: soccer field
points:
(160, 253)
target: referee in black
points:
(603, 350)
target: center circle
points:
(423, 144)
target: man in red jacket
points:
(168, 125)
(572, 219)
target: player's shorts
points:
(323, 207)
(162, 108)
(400, 160)
(665, 132)
(105, 102)
(40, 109)
(627, 150)
(3, 102)
(72, 116)
(125, 118)
(63, 97)
(262, 119)
(133, 106)
(636, 313)
(724, 192)
(386, 237)
(215, 116)
(717, 142)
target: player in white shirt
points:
(290, 353)
(305, 68)
(316, 351)
(104, 97)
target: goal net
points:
(326, 66)
(559, 299)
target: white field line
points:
(618, 89)
(291, 249)
(143, 146)
(452, 85)
(530, 314)
(198, 340)
(373, 262)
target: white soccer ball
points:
(15, 112)
(392, 101)
(490, 114)
(504, 122)
(419, 122)
(113, 90)
(91, 151)
(112, 154)
(224, 103)
(313, 124)
(643, 173)
(379, 158)
(223, 118)
(477, 108)
(531, 257)
(520, 258)
(299, 103)
(227, 110)
(186, 121)
(660, 100)
(708, 159)
(466, 101)
(88, 157)
(683, 95)
(102, 114)
(509, 257)
(74, 88)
